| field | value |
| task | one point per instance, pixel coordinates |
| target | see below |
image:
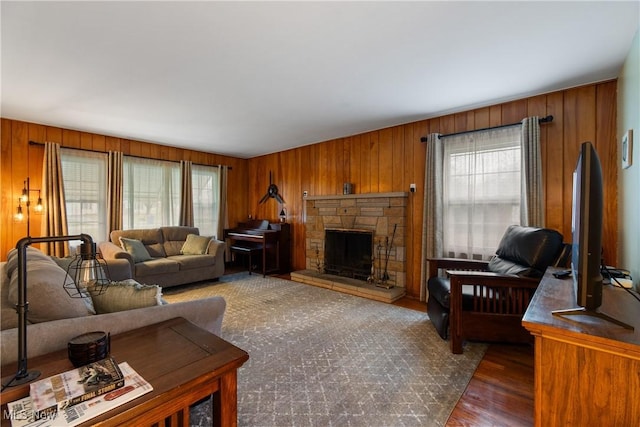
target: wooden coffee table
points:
(182, 362)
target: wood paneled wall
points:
(391, 159)
(20, 159)
(380, 161)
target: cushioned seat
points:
(54, 318)
(486, 300)
(156, 266)
(166, 256)
(192, 261)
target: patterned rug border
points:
(322, 358)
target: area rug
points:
(323, 358)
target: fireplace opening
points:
(348, 253)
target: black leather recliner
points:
(490, 297)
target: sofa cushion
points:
(195, 245)
(504, 266)
(187, 262)
(63, 263)
(174, 238)
(150, 237)
(46, 295)
(12, 259)
(156, 266)
(127, 295)
(135, 247)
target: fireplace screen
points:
(348, 253)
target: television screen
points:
(586, 227)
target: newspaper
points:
(75, 386)
(22, 415)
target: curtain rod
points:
(130, 155)
(541, 120)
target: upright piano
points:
(270, 241)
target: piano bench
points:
(247, 250)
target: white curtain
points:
(85, 192)
(151, 195)
(481, 190)
(206, 199)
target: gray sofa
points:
(54, 318)
(165, 262)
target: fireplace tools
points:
(318, 263)
(382, 280)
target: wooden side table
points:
(182, 362)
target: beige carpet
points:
(322, 358)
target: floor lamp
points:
(87, 273)
(25, 198)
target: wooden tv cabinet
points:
(182, 362)
(587, 370)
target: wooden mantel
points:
(359, 196)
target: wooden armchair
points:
(485, 300)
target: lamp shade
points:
(88, 273)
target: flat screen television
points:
(586, 229)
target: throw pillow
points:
(195, 245)
(135, 248)
(127, 295)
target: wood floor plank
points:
(500, 392)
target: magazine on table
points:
(22, 414)
(77, 385)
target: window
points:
(481, 194)
(206, 190)
(85, 189)
(151, 193)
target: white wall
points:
(629, 179)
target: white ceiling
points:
(251, 78)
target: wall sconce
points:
(89, 274)
(283, 215)
(25, 198)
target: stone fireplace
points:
(380, 215)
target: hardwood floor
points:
(501, 390)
